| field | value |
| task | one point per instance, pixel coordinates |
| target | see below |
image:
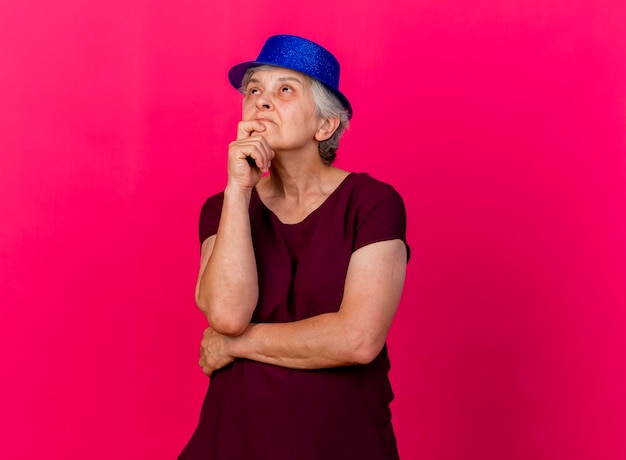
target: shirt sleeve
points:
(383, 217)
(210, 216)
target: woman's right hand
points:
(249, 156)
(214, 351)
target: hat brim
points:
(236, 74)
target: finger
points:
(256, 151)
(264, 161)
(245, 129)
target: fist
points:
(214, 351)
(249, 156)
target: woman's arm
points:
(354, 335)
(227, 289)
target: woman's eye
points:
(253, 91)
(286, 89)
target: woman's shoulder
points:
(365, 185)
(363, 197)
(214, 202)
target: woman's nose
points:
(263, 102)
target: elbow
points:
(365, 355)
(366, 350)
(230, 326)
(227, 314)
(225, 323)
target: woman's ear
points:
(327, 127)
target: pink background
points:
(502, 123)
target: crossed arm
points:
(353, 335)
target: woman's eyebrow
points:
(280, 79)
(296, 79)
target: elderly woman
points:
(301, 271)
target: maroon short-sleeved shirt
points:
(264, 412)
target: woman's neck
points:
(293, 196)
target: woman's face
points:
(282, 101)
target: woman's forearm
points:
(227, 290)
(319, 342)
(353, 335)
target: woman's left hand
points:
(214, 351)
